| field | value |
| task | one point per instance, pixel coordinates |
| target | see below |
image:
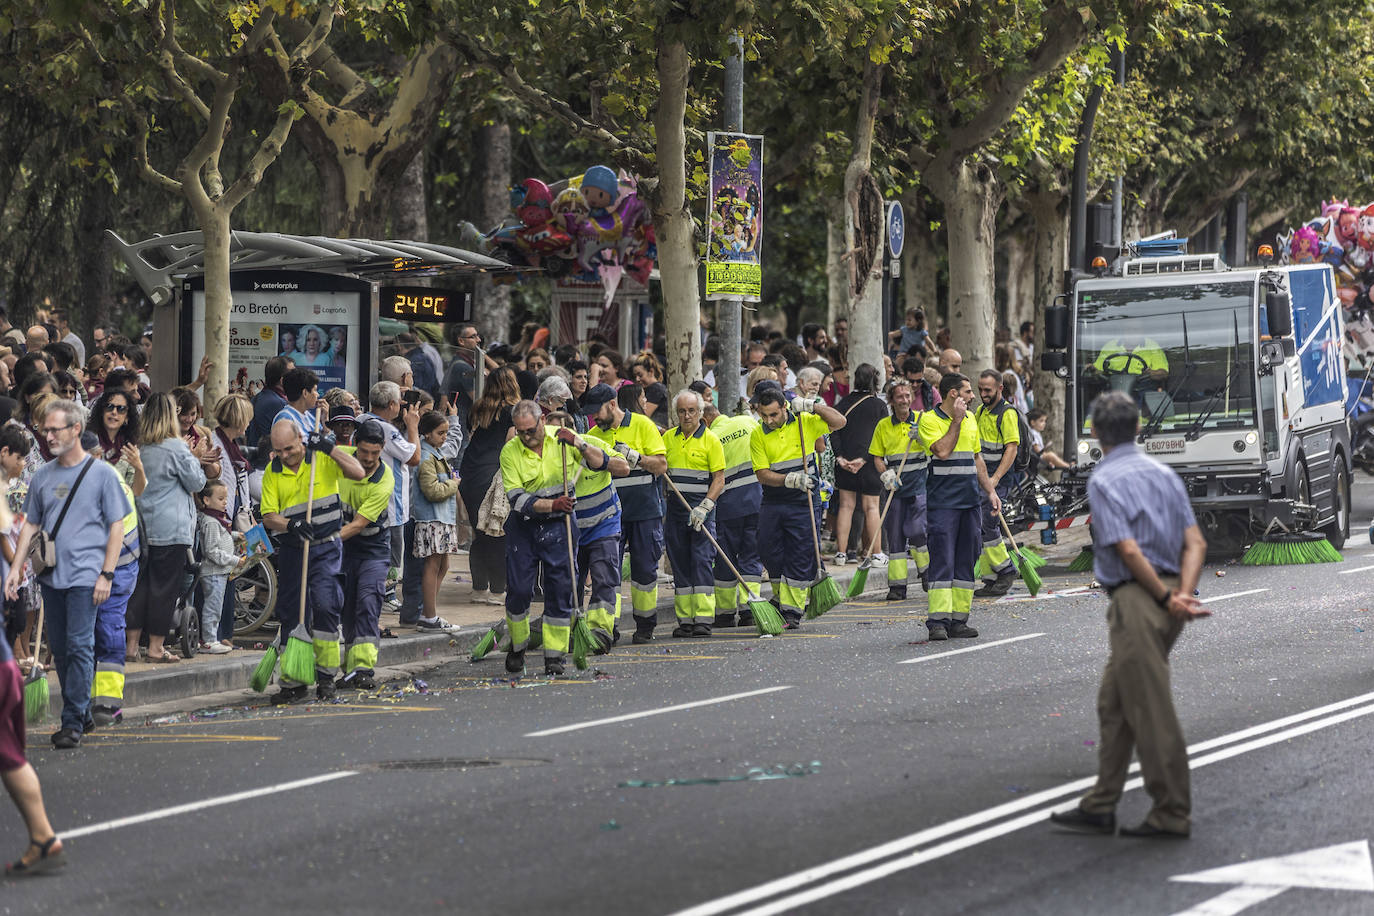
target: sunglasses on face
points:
(116, 408)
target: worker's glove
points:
(889, 479)
(564, 504)
(799, 480)
(803, 405)
(914, 433)
(321, 440)
(699, 514)
(569, 437)
(301, 529)
(630, 455)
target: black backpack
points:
(1022, 461)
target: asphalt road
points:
(847, 768)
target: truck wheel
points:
(1339, 529)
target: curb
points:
(185, 682)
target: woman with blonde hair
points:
(167, 511)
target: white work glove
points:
(889, 479)
(914, 433)
(703, 509)
(803, 405)
(630, 455)
(799, 480)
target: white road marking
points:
(1351, 572)
(202, 805)
(652, 712)
(1233, 901)
(1343, 867)
(1036, 801)
(986, 645)
(1208, 599)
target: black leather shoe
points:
(960, 630)
(1147, 831)
(682, 631)
(553, 667)
(1080, 821)
(937, 632)
(701, 629)
(66, 739)
(895, 594)
(325, 690)
(725, 620)
(997, 588)
(515, 662)
(746, 619)
(290, 696)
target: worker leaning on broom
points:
(536, 466)
(367, 556)
(954, 509)
(302, 469)
(696, 467)
(901, 462)
(787, 467)
(737, 519)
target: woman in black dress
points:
(856, 478)
(491, 426)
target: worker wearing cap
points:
(107, 689)
(286, 496)
(366, 554)
(901, 461)
(696, 467)
(737, 519)
(782, 451)
(537, 466)
(1001, 439)
(635, 438)
(953, 506)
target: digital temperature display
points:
(420, 303)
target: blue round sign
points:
(896, 228)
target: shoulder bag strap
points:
(68, 504)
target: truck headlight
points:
(1251, 438)
(1083, 448)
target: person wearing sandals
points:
(167, 507)
(435, 513)
(78, 502)
(45, 851)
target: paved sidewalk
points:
(207, 674)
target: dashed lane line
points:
(987, 645)
(654, 712)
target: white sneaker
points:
(841, 558)
(479, 596)
(215, 648)
(880, 559)
(496, 598)
(435, 623)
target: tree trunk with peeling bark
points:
(972, 194)
(677, 254)
(1049, 212)
(863, 232)
(491, 303)
(219, 299)
(409, 219)
(836, 275)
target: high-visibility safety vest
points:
(742, 491)
(783, 450)
(997, 426)
(691, 462)
(890, 442)
(529, 476)
(641, 493)
(287, 492)
(1114, 357)
(598, 507)
(952, 483)
(371, 498)
(132, 546)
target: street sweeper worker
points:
(635, 438)
(901, 461)
(696, 466)
(1001, 440)
(787, 467)
(532, 467)
(287, 492)
(366, 555)
(107, 689)
(953, 507)
(598, 541)
(737, 518)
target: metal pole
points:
(1119, 63)
(728, 317)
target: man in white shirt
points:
(401, 451)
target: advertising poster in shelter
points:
(313, 318)
(734, 267)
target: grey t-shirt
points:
(98, 504)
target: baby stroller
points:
(186, 616)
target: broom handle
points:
(309, 515)
(37, 639)
(890, 497)
(567, 528)
(712, 538)
(810, 504)
(1003, 519)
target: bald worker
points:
(950, 361)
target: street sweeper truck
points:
(1239, 375)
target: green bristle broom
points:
(825, 594)
(1023, 568)
(298, 653)
(625, 567)
(262, 674)
(767, 620)
(856, 584)
(1291, 548)
(1034, 559)
(1083, 562)
(36, 684)
(980, 569)
(583, 642)
(487, 643)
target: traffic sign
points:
(896, 228)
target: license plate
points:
(1165, 446)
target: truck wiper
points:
(1195, 429)
(1157, 415)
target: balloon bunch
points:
(1342, 236)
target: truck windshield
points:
(1183, 352)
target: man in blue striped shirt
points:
(1148, 553)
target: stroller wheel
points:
(188, 629)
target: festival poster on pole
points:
(734, 269)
